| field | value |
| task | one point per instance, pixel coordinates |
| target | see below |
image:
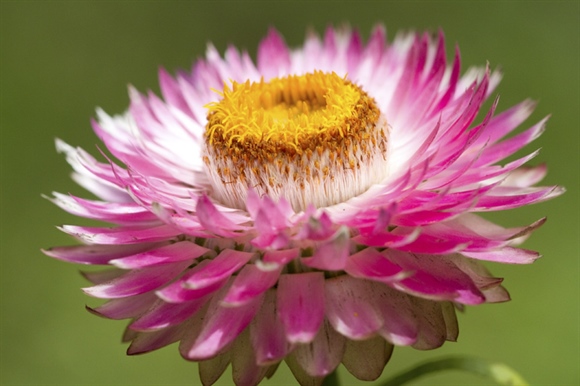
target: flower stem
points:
(498, 372)
(331, 379)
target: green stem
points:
(331, 379)
(498, 372)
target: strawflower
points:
(316, 207)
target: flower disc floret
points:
(312, 139)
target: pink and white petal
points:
(172, 253)
(177, 293)
(371, 264)
(267, 333)
(479, 274)
(221, 326)
(348, 308)
(366, 359)
(137, 281)
(508, 255)
(436, 278)
(507, 147)
(273, 56)
(333, 254)
(103, 276)
(321, 356)
(276, 214)
(301, 305)
(124, 308)
(94, 254)
(119, 213)
(145, 342)
(171, 91)
(526, 176)
(100, 188)
(217, 269)
(273, 260)
(425, 244)
(317, 228)
(489, 285)
(250, 282)
(99, 178)
(503, 198)
(397, 311)
(162, 315)
(213, 220)
(403, 236)
(121, 235)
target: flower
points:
(316, 207)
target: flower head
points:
(317, 207)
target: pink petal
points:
(301, 305)
(320, 228)
(370, 264)
(272, 260)
(181, 251)
(171, 91)
(273, 55)
(148, 341)
(526, 176)
(354, 52)
(176, 293)
(121, 235)
(398, 314)
(436, 277)
(137, 282)
(332, 255)
(221, 326)
(509, 201)
(124, 308)
(507, 255)
(163, 315)
(213, 220)
(218, 269)
(267, 333)
(120, 213)
(104, 276)
(96, 254)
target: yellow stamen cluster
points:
(285, 113)
(298, 132)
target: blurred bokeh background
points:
(59, 60)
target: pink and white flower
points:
(316, 258)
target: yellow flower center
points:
(313, 139)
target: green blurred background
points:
(59, 60)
